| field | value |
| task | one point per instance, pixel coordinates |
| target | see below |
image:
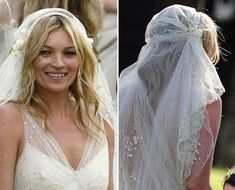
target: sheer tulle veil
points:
(162, 101)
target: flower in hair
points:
(18, 45)
(195, 32)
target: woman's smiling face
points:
(57, 64)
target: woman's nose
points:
(58, 61)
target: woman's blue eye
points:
(44, 53)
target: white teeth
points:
(56, 75)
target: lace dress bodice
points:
(43, 165)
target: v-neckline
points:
(58, 148)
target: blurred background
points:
(134, 16)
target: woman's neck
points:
(59, 104)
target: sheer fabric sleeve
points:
(201, 167)
(107, 112)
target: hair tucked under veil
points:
(162, 103)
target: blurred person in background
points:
(229, 180)
(107, 45)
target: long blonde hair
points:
(81, 89)
(210, 38)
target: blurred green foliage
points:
(217, 177)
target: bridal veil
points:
(162, 103)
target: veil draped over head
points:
(11, 67)
(162, 104)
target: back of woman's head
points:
(166, 36)
(179, 19)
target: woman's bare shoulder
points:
(10, 115)
(215, 107)
(11, 135)
(9, 108)
(214, 111)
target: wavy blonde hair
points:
(210, 38)
(81, 89)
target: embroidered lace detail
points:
(131, 145)
(188, 146)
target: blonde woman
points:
(170, 106)
(89, 12)
(12, 13)
(55, 117)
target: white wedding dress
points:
(43, 166)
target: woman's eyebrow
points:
(50, 47)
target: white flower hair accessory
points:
(197, 33)
(18, 45)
